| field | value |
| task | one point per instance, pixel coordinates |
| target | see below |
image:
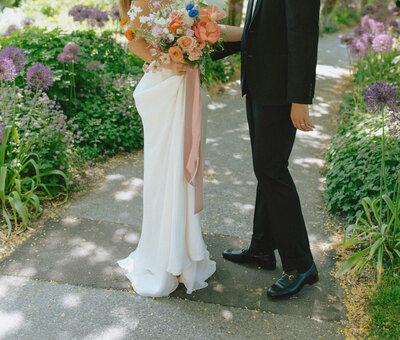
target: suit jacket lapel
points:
(248, 13)
(258, 5)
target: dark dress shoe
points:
(292, 282)
(266, 261)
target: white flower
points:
(134, 11)
(144, 19)
(171, 37)
(165, 58)
(190, 33)
(166, 30)
(188, 21)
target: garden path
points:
(64, 283)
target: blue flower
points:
(189, 7)
(193, 13)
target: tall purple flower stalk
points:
(378, 97)
(358, 47)
(8, 70)
(382, 43)
(381, 95)
(94, 16)
(11, 29)
(72, 48)
(39, 76)
(16, 55)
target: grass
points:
(385, 307)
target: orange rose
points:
(175, 24)
(129, 34)
(124, 21)
(175, 53)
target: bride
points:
(171, 247)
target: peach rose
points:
(207, 31)
(175, 53)
(200, 45)
(195, 54)
(186, 43)
(211, 13)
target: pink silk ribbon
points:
(192, 154)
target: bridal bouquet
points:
(176, 31)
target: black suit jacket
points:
(278, 51)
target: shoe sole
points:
(310, 281)
(262, 265)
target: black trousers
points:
(278, 220)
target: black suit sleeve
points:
(302, 20)
(227, 48)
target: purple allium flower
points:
(114, 13)
(358, 47)
(359, 30)
(380, 95)
(368, 9)
(382, 43)
(72, 48)
(346, 39)
(95, 66)
(39, 76)
(11, 29)
(368, 23)
(16, 55)
(62, 167)
(27, 21)
(67, 58)
(71, 182)
(8, 71)
(367, 39)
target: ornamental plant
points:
(377, 231)
(35, 141)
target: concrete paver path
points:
(64, 283)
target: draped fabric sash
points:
(193, 157)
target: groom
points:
(279, 54)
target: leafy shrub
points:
(353, 161)
(354, 154)
(35, 153)
(102, 108)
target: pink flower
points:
(200, 45)
(207, 31)
(211, 14)
(176, 15)
(186, 43)
(189, 33)
(195, 54)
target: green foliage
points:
(22, 182)
(103, 108)
(336, 14)
(377, 235)
(384, 307)
(353, 160)
(354, 154)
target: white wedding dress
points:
(171, 242)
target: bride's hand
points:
(178, 67)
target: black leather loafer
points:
(292, 282)
(266, 261)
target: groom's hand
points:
(301, 117)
